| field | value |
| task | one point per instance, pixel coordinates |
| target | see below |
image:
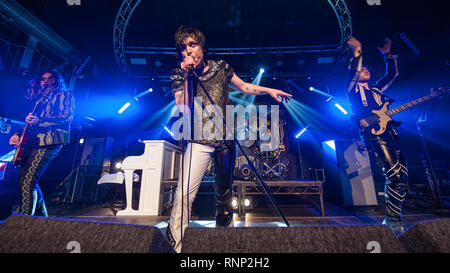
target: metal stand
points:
(431, 174)
(250, 163)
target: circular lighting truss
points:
(345, 24)
(120, 27)
(128, 6)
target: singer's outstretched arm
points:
(252, 89)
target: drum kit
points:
(268, 163)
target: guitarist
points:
(385, 147)
(48, 129)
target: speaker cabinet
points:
(349, 180)
(29, 234)
(428, 237)
(319, 239)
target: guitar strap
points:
(363, 95)
(376, 91)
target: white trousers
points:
(196, 160)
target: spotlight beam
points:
(338, 106)
(240, 101)
(296, 86)
(320, 92)
(144, 93)
(124, 107)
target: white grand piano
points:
(160, 162)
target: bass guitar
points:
(381, 118)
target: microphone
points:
(190, 69)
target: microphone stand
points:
(266, 189)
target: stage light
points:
(247, 202)
(168, 130)
(118, 165)
(301, 132)
(150, 90)
(234, 203)
(138, 61)
(124, 107)
(325, 60)
(338, 106)
(331, 144)
(8, 157)
(320, 93)
(261, 70)
(81, 140)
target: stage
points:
(314, 121)
(304, 213)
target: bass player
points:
(384, 147)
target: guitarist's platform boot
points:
(394, 193)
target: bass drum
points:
(242, 169)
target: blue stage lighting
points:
(331, 144)
(301, 132)
(8, 157)
(168, 130)
(261, 70)
(338, 106)
(124, 107)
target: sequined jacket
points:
(215, 80)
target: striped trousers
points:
(386, 150)
(36, 162)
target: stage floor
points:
(298, 215)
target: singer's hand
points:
(279, 95)
(189, 60)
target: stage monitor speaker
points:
(318, 239)
(349, 180)
(428, 237)
(29, 234)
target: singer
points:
(48, 130)
(216, 76)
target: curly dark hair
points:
(34, 88)
(184, 32)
